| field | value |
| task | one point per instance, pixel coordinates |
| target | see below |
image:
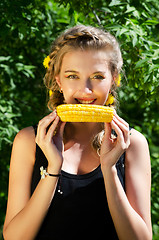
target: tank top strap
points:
(40, 160)
(35, 128)
(120, 166)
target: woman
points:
(97, 183)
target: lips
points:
(85, 101)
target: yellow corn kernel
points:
(84, 113)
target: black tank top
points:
(81, 212)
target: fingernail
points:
(52, 114)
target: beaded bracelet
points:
(43, 173)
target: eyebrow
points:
(78, 72)
(99, 72)
(71, 71)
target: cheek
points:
(102, 90)
(104, 95)
(104, 87)
(68, 92)
(68, 85)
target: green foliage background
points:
(27, 29)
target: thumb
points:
(107, 142)
(108, 130)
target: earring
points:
(60, 90)
(110, 100)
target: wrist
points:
(44, 173)
(108, 169)
(52, 169)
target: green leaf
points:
(151, 22)
(141, 63)
(115, 3)
(2, 59)
(130, 9)
(122, 31)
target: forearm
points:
(27, 222)
(128, 223)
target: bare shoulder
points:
(137, 138)
(26, 134)
(138, 146)
(24, 144)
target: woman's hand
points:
(113, 148)
(50, 139)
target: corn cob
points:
(84, 113)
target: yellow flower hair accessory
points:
(110, 100)
(118, 80)
(50, 93)
(46, 62)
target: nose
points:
(86, 87)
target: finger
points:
(121, 120)
(108, 130)
(44, 123)
(107, 141)
(124, 127)
(119, 132)
(52, 128)
(123, 136)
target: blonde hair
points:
(84, 38)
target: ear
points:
(117, 80)
(57, 77)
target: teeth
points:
(85, 102)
